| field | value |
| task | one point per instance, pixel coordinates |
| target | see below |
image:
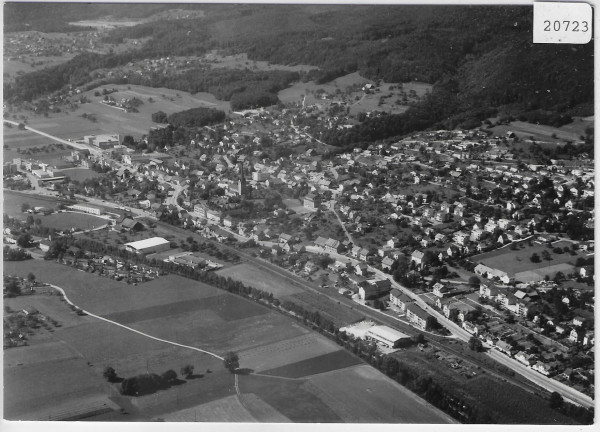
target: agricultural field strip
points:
(278, 354)
(159, 311)
(134, 330)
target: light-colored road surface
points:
(539, 379)
(78, 146)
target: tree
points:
(110, 374)
(546, 255)
(231, 361)
(187, 371)
(474, 281)
(25, 206)
(24, 240)
(31, 278)
(556, 400)
(169, 376)
(431, 323)
(475, 344)
(535, 258)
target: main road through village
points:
(528, 373)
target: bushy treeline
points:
(196, 117)
(436, 392)
(12, 254)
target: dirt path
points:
(134, 330)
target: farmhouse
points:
(147, 246)
(386, 336)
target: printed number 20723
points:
(574, 26)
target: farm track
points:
(134, 330)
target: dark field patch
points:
(323, 363)
(290, 398)
(229, 308)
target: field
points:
(241, 61)
(68, 220)
(363, 395)
(285, 352)
(388, 96)
(13, 202)
(316, 365)
(22, 139)
(189, 313)
(517, 261)
(340, 315)
(250, 275)
(569, 132)
(111, 120)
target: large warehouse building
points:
(148, 246)
(387, 336)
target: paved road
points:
(539, 379)
(547, 383)
(78, 146)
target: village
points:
(487, 235)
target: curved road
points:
(62, 291)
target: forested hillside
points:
(480, 59)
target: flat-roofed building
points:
(149, 245)
(87, 209)
(387, 336)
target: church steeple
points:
(242, 186)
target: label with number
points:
(561, 22)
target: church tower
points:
(242, 186)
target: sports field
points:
(67, 220)
(255, 277)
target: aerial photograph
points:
(296, 213)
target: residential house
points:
(417, 316)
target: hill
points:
(480, 58)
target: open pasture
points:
(111, 120)
(277, 354)
(516, 261)
(570, 132)
(13, 202)
(255, 277)
(102, 295)
(33, 388)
